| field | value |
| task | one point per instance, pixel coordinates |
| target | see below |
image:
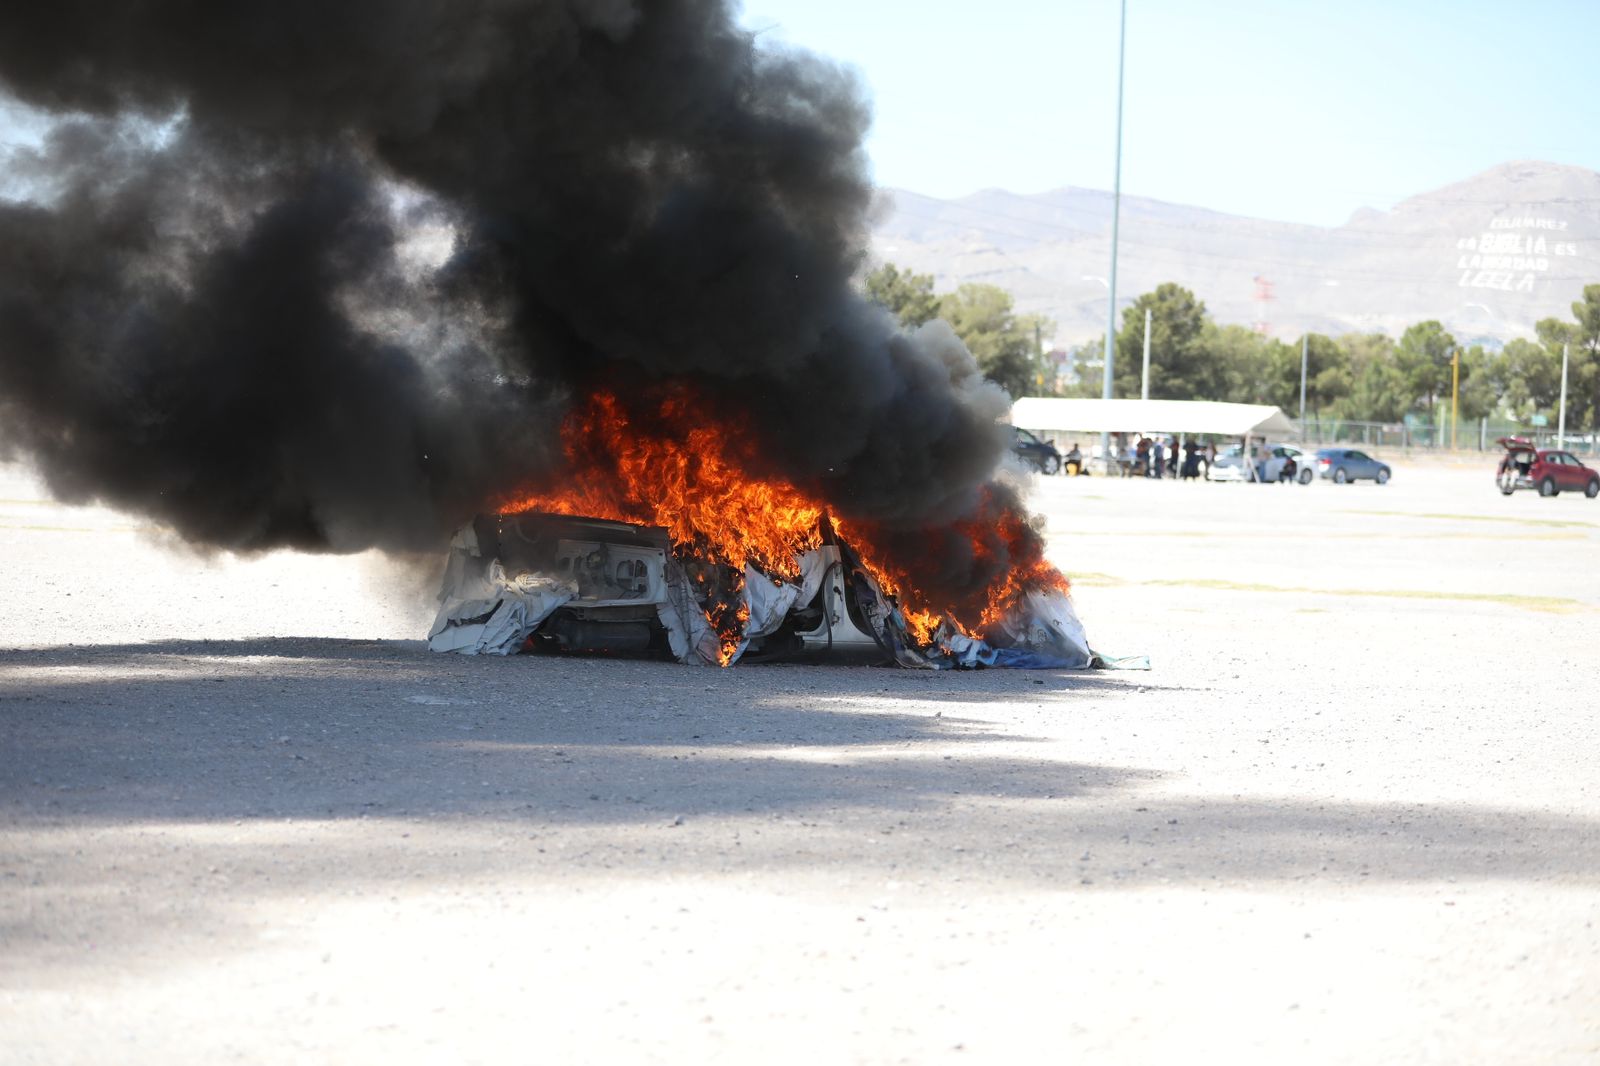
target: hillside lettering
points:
(1503, 258)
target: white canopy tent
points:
(1048, 414)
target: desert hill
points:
(1488, 256)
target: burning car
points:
(568, 584)
(665, 535)
(1549, 470)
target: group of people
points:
(1163, 457)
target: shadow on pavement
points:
(162, 789)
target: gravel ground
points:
(1351, 816)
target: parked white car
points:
(1227, 468)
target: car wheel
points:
(1305, 477)
(1592, 489)
(1547, 487)
(1340, 477)
(1383, 475)
(1051, 465)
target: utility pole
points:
(1455, 396)
(1561, 419)
(1144, 378)
(1116, 213)
(1305, 343)
(1038, 358)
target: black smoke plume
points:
(327, 275)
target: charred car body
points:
(558, 583)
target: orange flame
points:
(1027, 572)
(670, 466)
(684, 475)
(1002, 546)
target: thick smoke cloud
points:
(216, 308)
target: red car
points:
(1546, 469)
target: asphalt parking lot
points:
(1350, 815)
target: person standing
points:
(1160, 455)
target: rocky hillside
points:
(1488, 256)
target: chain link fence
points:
(1476, 435)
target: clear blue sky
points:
(1292, 110)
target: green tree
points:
(1328, 375)
(1180, 366)
(1532, 376)
(1242, 359)
(1381, 393)
(1279, 383)
(1423, 359)
(1377, 390)
(909, 296)
(1553, 333)
(1364, 348)
(1003, 343)
(1584, 373)
(1482, 383)
(1587, 313)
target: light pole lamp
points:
(1116, 213)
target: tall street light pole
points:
(1116, 214)
(1144, 376)
(1455, 396)
(1305, 347)
(1561, 418)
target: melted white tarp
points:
(689, 631)
(496, 613)
(482, 611)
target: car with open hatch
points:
(1549, 470)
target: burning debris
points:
(280, 278)
(657, 541)
(543, 582)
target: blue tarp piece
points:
(1023, 659)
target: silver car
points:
(1344, 465)
(1227, 467)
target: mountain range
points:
(1488, 256)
